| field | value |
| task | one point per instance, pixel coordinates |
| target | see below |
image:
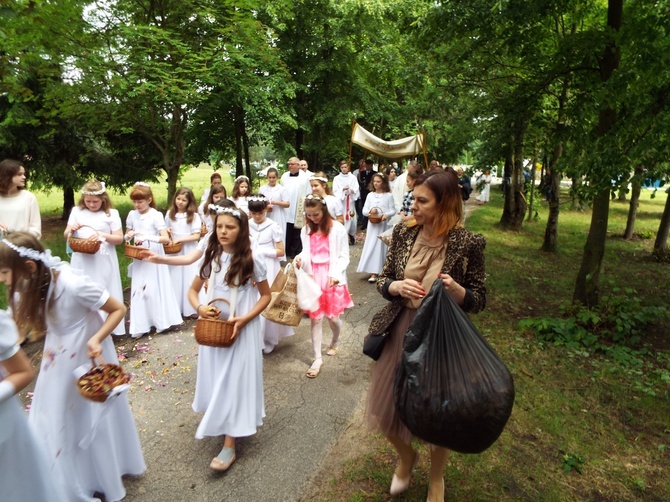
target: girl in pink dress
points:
(325, 255)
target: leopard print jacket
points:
(464, 263)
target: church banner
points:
(404, 147)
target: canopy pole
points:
(351, 143)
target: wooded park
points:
(573, 93)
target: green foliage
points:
(572, 461)
(620, 318)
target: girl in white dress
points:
(88, 450)
(319, 184)
(25, 472)
(379, 202)
(485, 193)
(229, 385)
(241, 191)
(184, 221)
(217, 192)
(95, 218)
(153, 302)
(267, 244)
(278, 201)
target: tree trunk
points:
(68, 202)
(634, 203)
(587, 283)
(574, 190)
(245, 146)
(661, 242)
(514, 210)
(551, 232)
(172, 180)
(239, 168)
(531, 191)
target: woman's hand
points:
(455, 290)
(297, 262)
(407, 288)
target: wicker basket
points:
(86, 246)
(97, 383)
(135, 252)
(203, 230)
(171, 247)
(214, 332)
(377, 217)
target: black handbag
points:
(373, 345)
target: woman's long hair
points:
(191, 208)
(241, 263)
(444, 185)
(27, 295)
(215, 189)
(326, 222)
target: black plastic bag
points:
(451, 388)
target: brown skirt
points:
(380, 409)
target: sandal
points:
(332, 351)
(313, 370)
(223, 460)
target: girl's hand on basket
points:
(297, 262)
(209, 312)
(75, 226)
(332, 282)
(94, 348)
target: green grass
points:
(568, 406)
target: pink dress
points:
(334, 299)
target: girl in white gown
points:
(267, 244)
(25, 473)
(485, 182)
(379, 200)
(89, 445)
(241, 191)
(184, 222)
(94, 217)
(217, 192)
(277, 200)
(153, 302)
(229, 385)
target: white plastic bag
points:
(308, 290)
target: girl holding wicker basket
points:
(325, 256)
(87, 451)
(229, 385)
(153, 302)
(378, 208)
(183, 220)
(96, 227)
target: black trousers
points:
(293, 242)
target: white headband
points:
(95, 192)
(241, 178)
(33, 254)
(256, 198)
(224, 210)
(316, 197)
(142, 184)
(320, 178)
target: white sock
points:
(336, 327)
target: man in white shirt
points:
(346, 189)
(304, 168)
(296, 183)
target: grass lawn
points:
(584, 427)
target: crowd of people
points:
(232, 248)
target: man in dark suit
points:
(364, 177)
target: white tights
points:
(317, 333)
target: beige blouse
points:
(424, 264)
